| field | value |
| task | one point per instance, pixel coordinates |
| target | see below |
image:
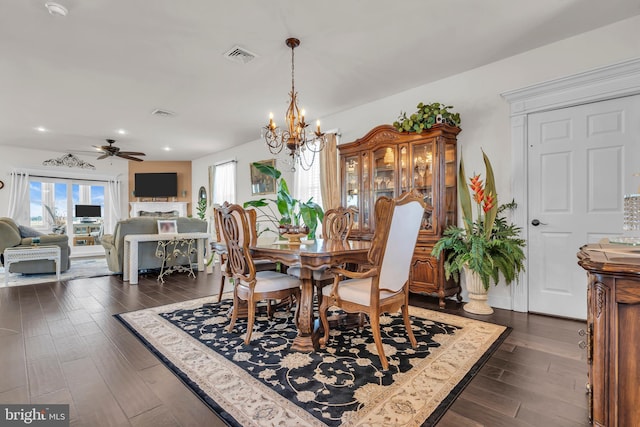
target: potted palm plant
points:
(484, 248)
(297, 218)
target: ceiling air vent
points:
(240, 55)
(162, 113)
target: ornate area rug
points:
(79, 267)
(265, 384)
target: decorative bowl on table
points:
(293, 233)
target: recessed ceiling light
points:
(56, 9)
(167, 148)
(121, 131)
(41, 129)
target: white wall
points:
(23, 158)
(476, 96)
(244, 155)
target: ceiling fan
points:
(111, 150)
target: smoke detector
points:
(56, 9)
(239, 55)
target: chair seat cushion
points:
(355, 290)
(318, 275)
(294, 271)
(267, 281)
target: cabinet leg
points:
(441, 299)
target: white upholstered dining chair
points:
(382, 286)
(250, 285)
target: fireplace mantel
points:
(136, 207)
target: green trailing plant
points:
(202, 208)
(426, 117)
(293, 213)
(488, 245)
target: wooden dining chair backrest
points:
(337, 223)
(397, 227)
(251, 219)
(234, 225)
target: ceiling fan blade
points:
(132, 153)
(124, 156)
(104, 156)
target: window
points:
(224, 183)
(52, 201)
(306, 184)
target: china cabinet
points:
(386, 162)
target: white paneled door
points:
(582, 161)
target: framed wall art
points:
(261, 183)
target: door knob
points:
(536, 222)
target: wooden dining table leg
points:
(305, 340)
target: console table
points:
(132, 241)
(613, 333)
(32, 253)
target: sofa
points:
(147, 260)
(13, 235)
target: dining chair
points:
(250, 285)
(225, 273)
(382, 286)
(336, 226)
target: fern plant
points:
(488, 245)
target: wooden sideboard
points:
(612, 338)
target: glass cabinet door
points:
(366, 213)
(405, 174)
(384, 172)
(422, 164)
(352, 184)
(450, 185)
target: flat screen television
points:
(158, 184)
(88, 211)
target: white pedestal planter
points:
(477, 294)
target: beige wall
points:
(183, 169)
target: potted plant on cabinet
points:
(297, 218)
(484, 248)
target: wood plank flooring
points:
(60, 344)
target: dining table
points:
(310, 255)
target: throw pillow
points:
(28, 232)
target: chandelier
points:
(302, 145)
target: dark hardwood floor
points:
(59, 343)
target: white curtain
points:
(224, 183)
(306, 183)
(19, 197)
(330, 183)
(115, 200)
